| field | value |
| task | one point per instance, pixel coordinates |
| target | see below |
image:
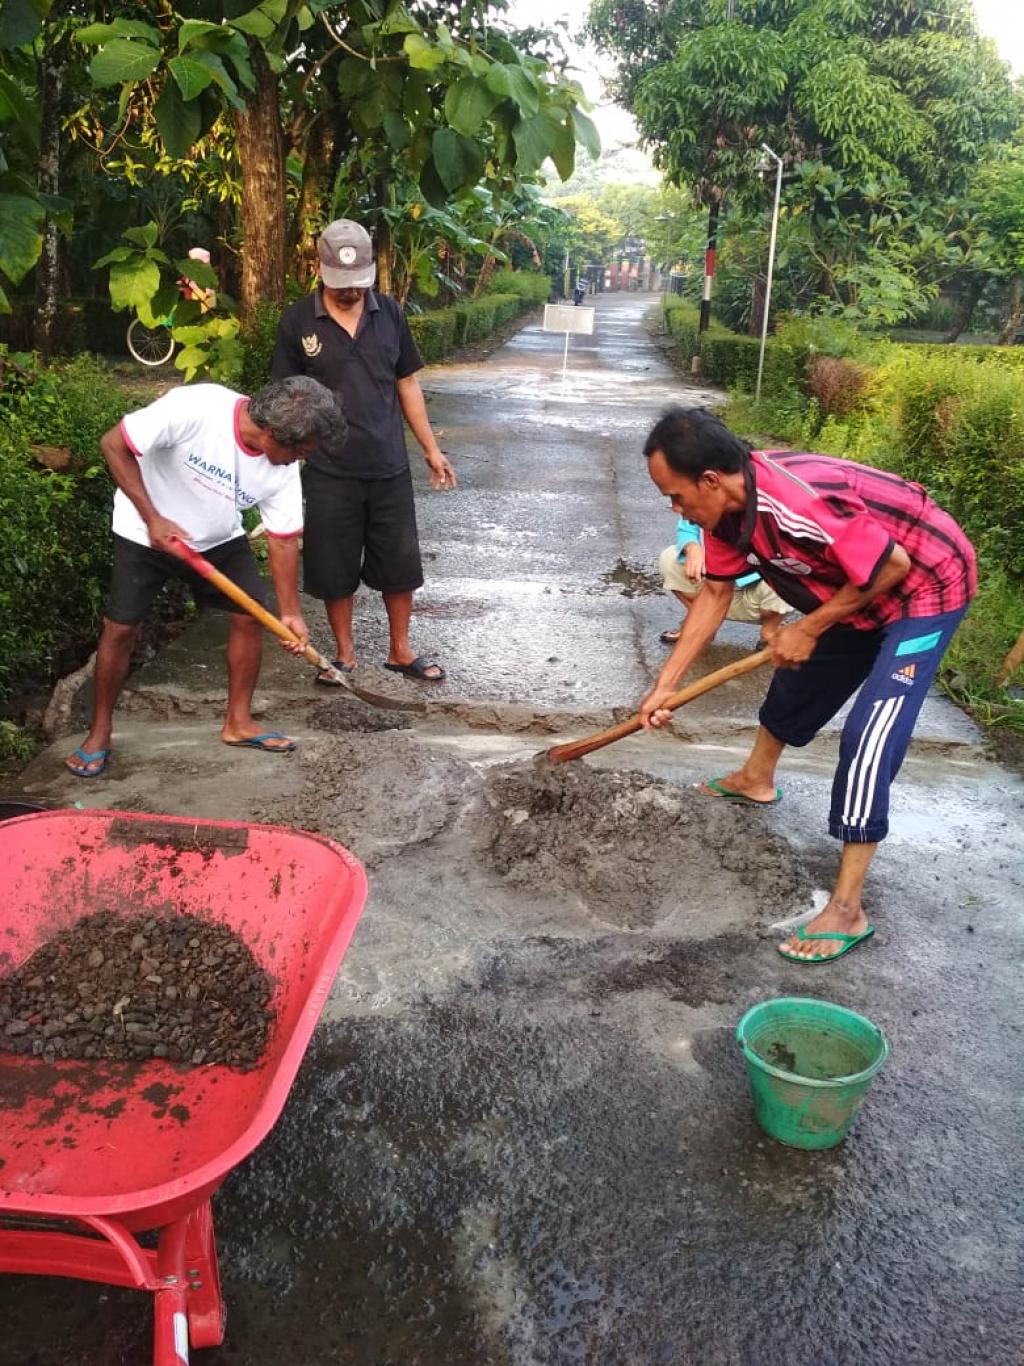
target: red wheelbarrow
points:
(92, 1153)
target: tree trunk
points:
(382, 243)
(264, 208)
(758, 298)
(709, 264)
(306, 222)
(51, 94)
(1015, 317)
(965, 312)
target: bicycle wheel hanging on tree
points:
(149, 345)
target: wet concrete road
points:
(522, 1135)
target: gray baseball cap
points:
(346, 256)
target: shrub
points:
(798, 341)
(55, 538)
(682, 321)
(474, 319)
(1009, 357)
(434, 333)
(528, 285)
(506, 307)
(836, 384)
(258, 338)
(730, 359)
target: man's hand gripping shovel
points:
(230, 589)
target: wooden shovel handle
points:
(575, 749)
(231, 590)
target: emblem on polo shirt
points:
(312, 345)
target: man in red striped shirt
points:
(883, 576)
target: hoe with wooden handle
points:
(230, 589)
(575, 749)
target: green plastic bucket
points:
(810, 1063)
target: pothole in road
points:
(346, 715)
(634, 580)
(637, 851)
(459, 611)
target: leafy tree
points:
(27, 186)
(998, 190)
(443, 98)
(879, 108)
(890, 87)
(593, 234)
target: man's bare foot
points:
(841, 916)
(741, 784)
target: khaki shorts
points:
(748, 605)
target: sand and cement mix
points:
(634, 849)
(376, 793)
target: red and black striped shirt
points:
(814, 523)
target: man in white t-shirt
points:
(186, 468)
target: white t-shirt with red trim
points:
(199, 472)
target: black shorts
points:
(359, 529)
(140, 572)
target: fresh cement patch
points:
(637, 851)
(346, 715)
(377, 794)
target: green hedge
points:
(682, 321)
(438, 332)
(730, 359)
(529, 285)
(474, 319)
(55, 538)
(434, 333)
(506, 307)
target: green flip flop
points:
(850, 941)
(718, 788)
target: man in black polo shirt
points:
(360, 517)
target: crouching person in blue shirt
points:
(682, 569)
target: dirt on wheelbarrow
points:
(635, 850)
(129, 989)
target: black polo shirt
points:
(363, 370)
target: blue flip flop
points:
(87, 758)
(259, 742)
(850, 941)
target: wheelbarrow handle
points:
(230, 589)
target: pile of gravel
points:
(126, 988)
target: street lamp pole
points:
(762, 168)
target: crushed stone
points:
(129, 988)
